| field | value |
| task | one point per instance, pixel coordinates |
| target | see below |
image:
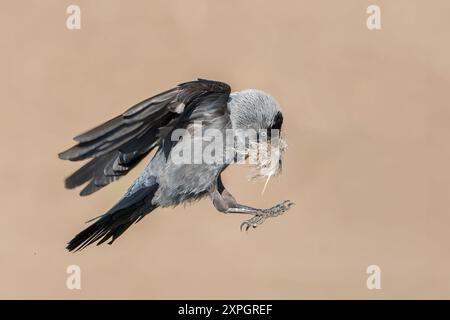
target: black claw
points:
(247, 226)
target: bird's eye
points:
(277, 121)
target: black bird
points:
(118, 145)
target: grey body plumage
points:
(119, 144)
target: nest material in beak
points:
(266, 158)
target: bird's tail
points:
(116, 221)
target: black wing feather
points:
(119, 144)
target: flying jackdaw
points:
(118, 145)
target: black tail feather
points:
(116, 221)
(104, 229)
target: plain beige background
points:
(366, 120)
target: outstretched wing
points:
(119, 144)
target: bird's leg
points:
(225, 202)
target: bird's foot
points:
(259, 218)
(278, 209)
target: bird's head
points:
(257, 119)
(254, 109)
